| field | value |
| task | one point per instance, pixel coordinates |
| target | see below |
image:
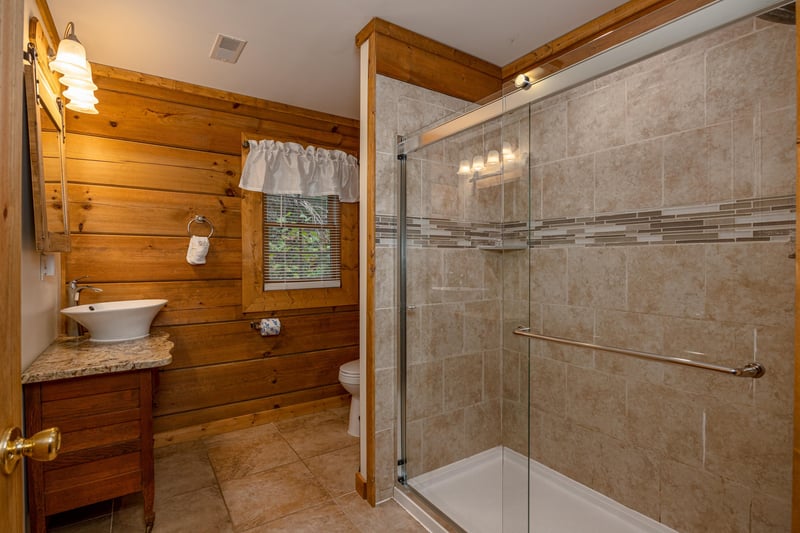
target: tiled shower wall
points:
(402, 107)
(663, 207)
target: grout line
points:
(111, 522)
(217, 483)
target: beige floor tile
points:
(248, 451)
(336, 470)
(264, 486)
(388, 516)
(327, 517)
(201, 510)
(342, 412)
(316, 434)
(182, 468)
(129, 514)
(266, 496)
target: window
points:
(302, 239)
(299, 253)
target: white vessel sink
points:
(116, 321)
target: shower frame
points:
(671, 34)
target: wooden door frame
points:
(11, 41)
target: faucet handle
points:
(75, 281)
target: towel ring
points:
(200, 219)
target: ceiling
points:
(303, 53)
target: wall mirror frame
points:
(46, 141)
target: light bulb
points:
(508, 153)
(493, 157)
(463, 168)
(477, 163)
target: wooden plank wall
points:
(159, 152)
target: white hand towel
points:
(198, 248)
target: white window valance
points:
(274, 167)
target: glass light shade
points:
(71, 59)
(80, 96)
(477, 163)
(80, 82)
(508, 153)
(81, 100)
(464, 168)
(493, 157)
(89, 109)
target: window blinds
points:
(302, 242)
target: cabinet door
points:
(106, 446)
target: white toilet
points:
(350, 378)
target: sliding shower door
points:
(663, 222)
(464, 275)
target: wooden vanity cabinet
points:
(106, 442)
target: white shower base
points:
(486, 493)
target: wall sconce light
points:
(490, 166)
(77, 73)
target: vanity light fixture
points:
(77, 73)
(489, 166)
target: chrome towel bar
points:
(750, 370)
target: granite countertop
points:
(72, 357)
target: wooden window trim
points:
(256, 300)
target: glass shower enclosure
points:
(593, 274)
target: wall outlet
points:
(47, 266)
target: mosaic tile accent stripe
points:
(752, 219)
(746, 220)
(439, 233)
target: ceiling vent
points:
(227, 48)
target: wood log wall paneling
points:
(159, 152)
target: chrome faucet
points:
(74, 292)
(73, 298)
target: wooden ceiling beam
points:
(614, 27)
(413, 58)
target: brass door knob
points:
(43, 446)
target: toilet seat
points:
(350, 370)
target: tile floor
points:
(293, 476)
